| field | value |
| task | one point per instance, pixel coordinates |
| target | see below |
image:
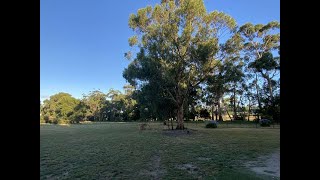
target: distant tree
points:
(115, 105)
(130, 111)
(228, 73)
(59, 108)
(249, 97)
(236, 80)
(268, 67)
(261, 43)
(80, 113)
(41, 114)
(94, 103)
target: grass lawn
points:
(121, 151)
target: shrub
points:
(240, 118)
(42, 119)
(212, 124)
(266, 116)
(63, 121)
(265, 122)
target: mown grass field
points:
(122, 151)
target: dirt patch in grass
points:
(267, 165)
(204, 159)
(190, 168)
(154, 171)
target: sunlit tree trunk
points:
(270, 88)
(180, 117)
(220, 108)
(180, 103)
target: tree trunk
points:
(180, 117)
(212, 116)
(241, 108)
(234, 102)
(258, 95)
(249, 110)
(171, 123)
(219, 110)
(270, 89)
(216, 112)
(228, 114)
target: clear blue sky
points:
(82, 42)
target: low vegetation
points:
(211, 124)
(122, 151)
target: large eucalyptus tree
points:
(178, 41)
(261, 43)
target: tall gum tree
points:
(260, 43)
(178, 41)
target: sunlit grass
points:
(121, 151)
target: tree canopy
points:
(178, 43)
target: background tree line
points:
(94, 106)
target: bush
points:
(212, 124)
(265, 122)
(266, 117)
(240, 118)
(42, 119)
(63, 121)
